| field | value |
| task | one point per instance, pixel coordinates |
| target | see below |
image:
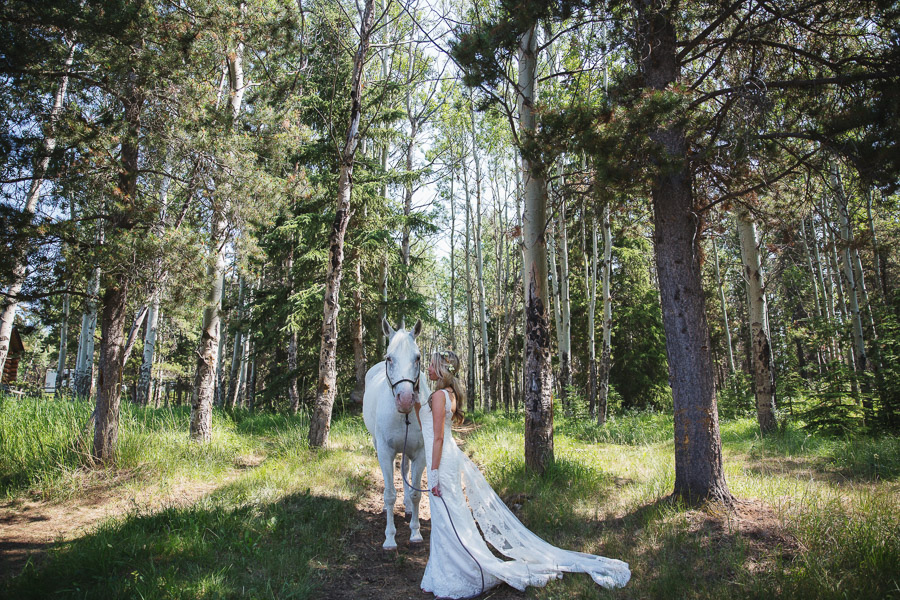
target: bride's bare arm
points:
(437, 412)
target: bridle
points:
(415, 384)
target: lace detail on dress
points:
(451, 571)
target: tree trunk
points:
(234, 379)
(112, 324)
(219, 391)
(590, 294)
(142, 391)
(470, 314)
(817, 293)
(565, 349)
(538, 396)
(731, 368)
(84, 364)
(606, 353)
(320, 423)
(207, 354)
(827, 290)
(205, 375)
(554, 295)
(452, 264)
(407, 212)
(479, 274)
(359, 333)
(699, 472)
(862, 361)
(143, 388)
(19, 250)
(109, 384)
(293, 391)
(63, 337)
(761, 350)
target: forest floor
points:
(30, 527)
(257, 514)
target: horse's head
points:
(402, 364)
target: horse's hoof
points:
(388, 548)
(416, 540)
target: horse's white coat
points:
(388, 428)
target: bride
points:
(460, 565)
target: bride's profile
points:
(460, 565)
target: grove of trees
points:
(600, 206)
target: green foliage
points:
(833, 410)
(736, 398)
(639, 371)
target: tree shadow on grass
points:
(208, 550)
(678, 552)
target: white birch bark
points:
(565, 349)
(470, 310)
(590, 283)
(479, 274)
(724, 304)
(142, 393)
(84, 365)
(761, 351)
(452, 262)
(63, 340)
(861, 356)
(320, 423)
(205, 374)
(538, 398)
(606, 352)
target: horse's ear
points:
(417, 329)
(387, 329)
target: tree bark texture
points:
(320, 424)
(538, 390)
(761, 349)
(590, 293)
(699, 472)
(606, 351)
(203, 392)
(63, 340)
(84, 361)
(115, 296)
(359, 334)
(109, 384)
(479, 274)
(470, 314)
(565, 349)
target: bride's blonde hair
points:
(446, 365)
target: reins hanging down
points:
(447, 508)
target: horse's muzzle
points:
(405, 401)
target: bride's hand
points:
(436, 491)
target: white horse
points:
(393, 386)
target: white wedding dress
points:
(451, 571)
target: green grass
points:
(829, 507)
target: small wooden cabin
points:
(11, 366)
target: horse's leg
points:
(407, 493)
(418, 466)
(386, 460)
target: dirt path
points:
(28, 528)
(371, 573)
